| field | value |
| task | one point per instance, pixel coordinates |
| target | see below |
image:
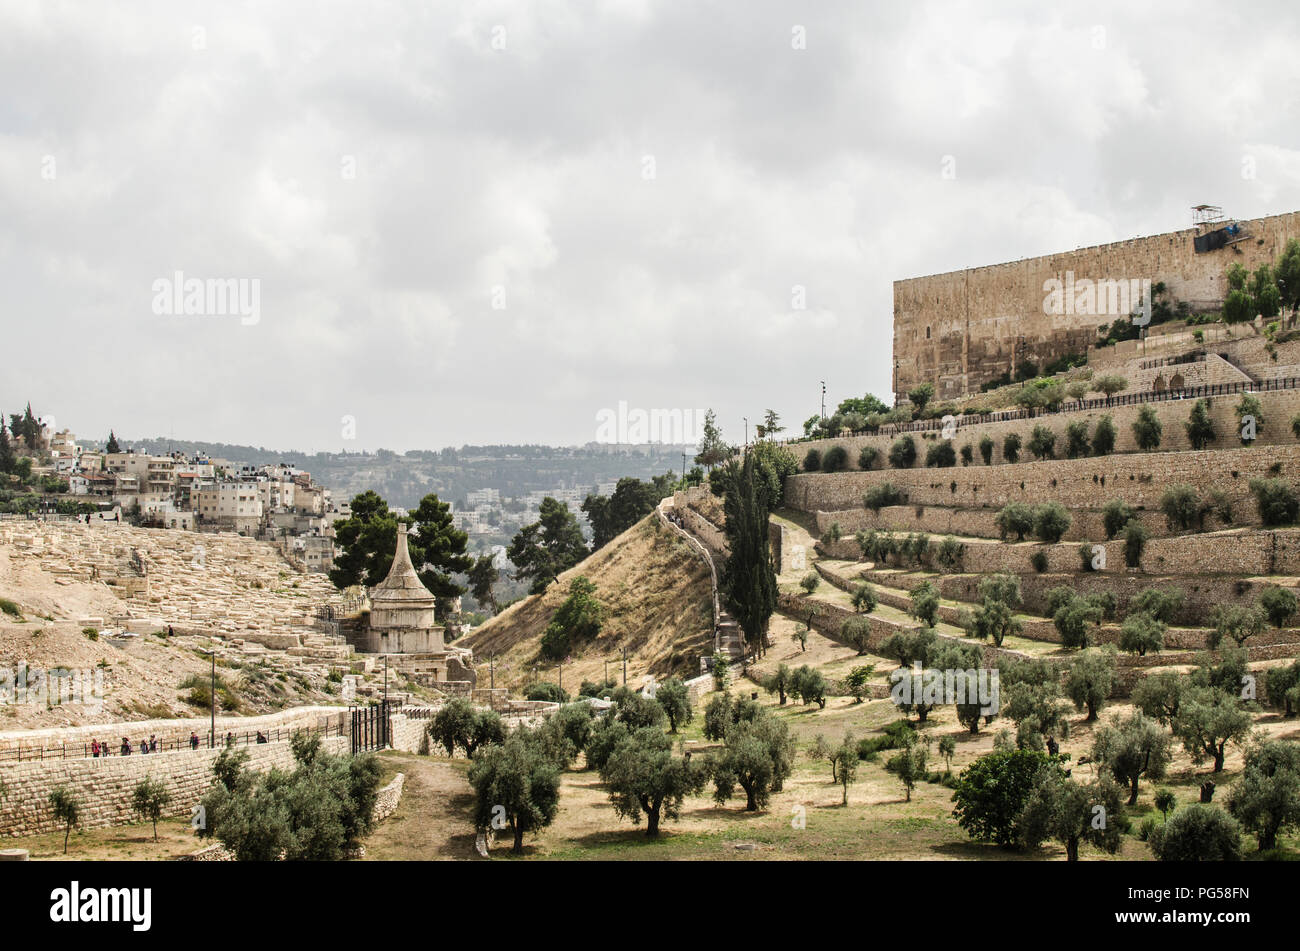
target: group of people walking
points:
(98, 749)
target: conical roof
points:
(402, 584)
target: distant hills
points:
(404, 478)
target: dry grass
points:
(656, 593)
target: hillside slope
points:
(655, 590)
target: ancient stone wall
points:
(960, 329)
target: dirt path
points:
(434, 820)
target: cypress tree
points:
(748, 581)
(6, 450)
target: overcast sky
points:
(486, 222)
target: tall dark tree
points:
(6, 449)
(483, 576)
(748, 581)
(112, 444)
(548, 547)
(369, 540)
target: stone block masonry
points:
(960, 329)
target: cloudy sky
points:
(486, 222)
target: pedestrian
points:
(170, 632)
(144, 746)
(126, 746)
(230, 739)
(153, 743)
(94, 748)
(194, 740)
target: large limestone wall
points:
(958, 330)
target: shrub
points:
(941, 455)
(1015, 518)
(967, 454)
(950, 554)
(545, 690)
(880, 496)
(987, 444)
(863, 598)
(810, 581)
(1279, 604)
(1038, 561)
(1057, 598)
(1103, 438)
(578, 620)
(1051, 521)
(1042, 442)
(1115, 515)
(1076, 440)
(1011, 447)
(1276, 500)
(867, 457)
(1199, 426)
(1163, 604)
(1135, 539)
(1181, 506)
(902, 454)
(835, 459)
(1147, 429)
(1197, 833)
(812, 461)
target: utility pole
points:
(624, 666)
(212, 730)
(683, 467)
(606, 680)
(385, 678)
(746, 419)
(492, 672)
(823, 415)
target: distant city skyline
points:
(299, 226)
